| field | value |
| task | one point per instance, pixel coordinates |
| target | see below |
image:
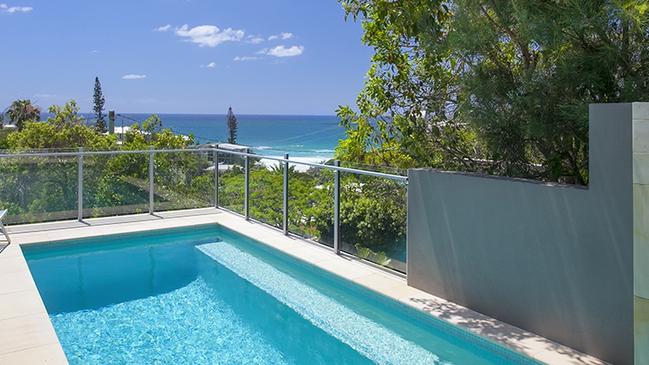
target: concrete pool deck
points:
(29, 338)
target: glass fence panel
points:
(231, 182)
(38, 189)
(266, 191)
(115, 184)
(373, 210)
(373, 218)
(311, 201)
(183, 180)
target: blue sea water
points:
(299, 135)
(207, 295)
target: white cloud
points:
(162, 28)
(245, 58)
(209, 35)
(15, 9)
(133, 77)
(255, 39)
(44, 96)
(209, 65)
(19, 9)
(283, 36)
(283, 51)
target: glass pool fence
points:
(355, 211)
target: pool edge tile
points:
(26, 332)
(47, 354)
(20, 303)
(391, 286)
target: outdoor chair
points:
(3, 229)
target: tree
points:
(64, 129)
(22, 111)
(98, 107)
(152, 124)
(232, 127)
(496, 86)
(44, 188)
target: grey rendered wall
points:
(555, 260)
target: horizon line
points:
(236, 114)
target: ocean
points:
(304, 137)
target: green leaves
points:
(500, 87)
(23, 111)
(98, 107)
(113, 183)
(64, 129)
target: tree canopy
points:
(65, 128)
(43, 188)
(21, 111)
(98, 107)
(500, 86)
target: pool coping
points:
(30, 337)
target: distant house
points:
(121, 133)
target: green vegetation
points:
(37, 189)
(373, 210)
(21, 111)
(501, 87)
(98, 107)
(45, 188)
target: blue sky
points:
(183, 56)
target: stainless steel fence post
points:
(215, 156)
(80, 185)
(151, 184)
(337, 208)
(285, 220)
(246, 193)
(407, 190)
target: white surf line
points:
(370, 339)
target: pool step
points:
(367, 337)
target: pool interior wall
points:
(94, 287)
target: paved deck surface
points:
(27, 336)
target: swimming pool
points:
(206, 294)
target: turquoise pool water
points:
(207, 295)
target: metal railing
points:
(216, 154)
(336, 168)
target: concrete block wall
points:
(568, 263)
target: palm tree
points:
(22, 111)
